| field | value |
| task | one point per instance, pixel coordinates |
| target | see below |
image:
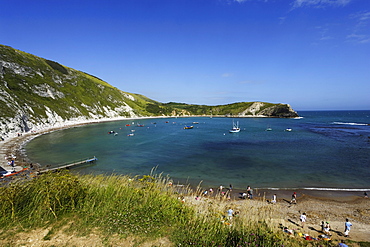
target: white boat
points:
(235, 128)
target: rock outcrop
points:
(260, 109)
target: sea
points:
(320, 150)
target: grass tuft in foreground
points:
(146, 208)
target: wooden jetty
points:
(67, 166)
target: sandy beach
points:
(334, 207)
(331, 206)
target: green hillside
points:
(36, 92)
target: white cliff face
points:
(16, 68)
(10, 127)
(45, 90)
(253, 109)
(130, 97)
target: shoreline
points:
(14, 143)
(15, 146)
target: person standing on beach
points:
(294, 198)
(230, 213)
(250, 194)
(322, 226)
(347, 228)
(273, 199)
(303, 218)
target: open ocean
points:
(324, 150)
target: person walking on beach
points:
(347, 227)
(303, 218)
(273, 199)
(294, 198)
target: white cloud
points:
(282, 19)
(324, 32)
(319, 3)
(359, 38)
(360, 32)
(361, 17)
(227, 75)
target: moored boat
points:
(235, 128)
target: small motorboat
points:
(188, 127)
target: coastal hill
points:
(37, 93)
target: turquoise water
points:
(323, 150)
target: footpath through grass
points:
(144, 208)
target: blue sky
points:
(311, 54)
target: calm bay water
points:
(324, 150)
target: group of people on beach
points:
(325, 226)
(226, 192)
(292, 201)
(325, 229)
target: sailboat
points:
(235, 128)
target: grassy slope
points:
(120, 207)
